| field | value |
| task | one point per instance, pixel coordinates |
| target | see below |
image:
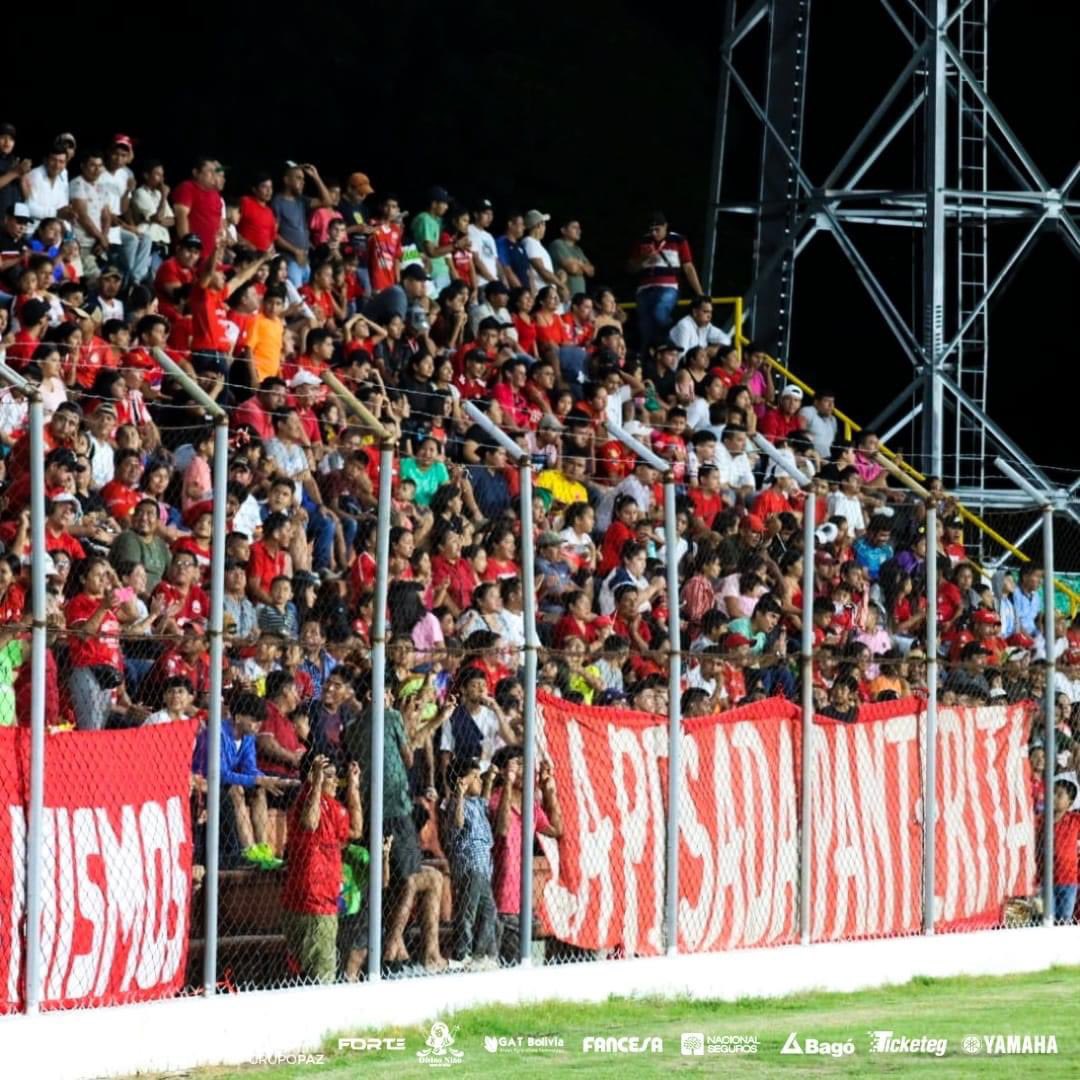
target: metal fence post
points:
(217, 646)
(671, 536)
(1050, 718)
(532, 644)
(378, 713)
(528, 790)
(38, 644)
(806, 662)
(930, 772)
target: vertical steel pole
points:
(213, 726)
(671, 538)
(378, 713)
(38, 645)
(716, 169)
(934, 236)
(528, 788)
(1050, 718)
(806, 757)
(930, 771)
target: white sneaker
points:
(484, 963)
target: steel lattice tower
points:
(940, 99)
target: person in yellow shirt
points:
(564, 481)
(266, 336)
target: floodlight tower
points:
(941, 95)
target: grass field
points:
(952, 1009)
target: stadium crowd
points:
(256, 295)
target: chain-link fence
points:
(810, 686)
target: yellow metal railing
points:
(851, 426)
(736, 323)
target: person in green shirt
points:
(566, 254)
(141, 544)
(426, 471)
(427, 230)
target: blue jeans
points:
(574, 365)
(656, 313)
(298, 275)
(320, 532)
(1064, 903)
(133, 253)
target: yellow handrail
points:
(735, 301)
(850, 426)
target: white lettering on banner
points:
(900, 735)
(822, 829)
(758, 857)
(960, 865)
(632, 802)
(785, 893)
(874, 816)
(729, 848)
(124, 884)
(849, 863)
(17, 820)
(694, 918)
(569, 912)
(90, 900)
(654, 741)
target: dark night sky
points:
(603, 113)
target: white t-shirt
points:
(735, 471)
(487, 254)
(686, 334)
(616, 402)
(849, 508)
(101, 464)
(116, 187)
(535, 250)
(97, 198)
(146, 204)
(821, 429)
(697, 414)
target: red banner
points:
(739, 824)
(116, 850)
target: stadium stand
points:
(256, 295)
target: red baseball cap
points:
(986, 616)
(123, 140)
(733, 641)
(1021, 641)
(754, 523)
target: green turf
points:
(1047, 1003)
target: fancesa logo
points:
(622, 1044)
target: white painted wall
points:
(234, 1028)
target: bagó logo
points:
(814, 1046)
(440, 1052)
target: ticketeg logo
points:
(440, 1052)
(883, 1042)
(814, 1046)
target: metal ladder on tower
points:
(972, 357)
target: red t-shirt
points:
(280, 726)
(264, 567)
(313, 866)
(101, 648)
(552, 334)
(461, 576)
(577, 333)
(92, 358)
(513, 405)
(63, 542)
(775, 425)
(205, 207)
(526, 332)
(1066, 845)
(13, 605)
(141, 360)
(209, 316)
(321, 302)
(462, 260)
(769, 502)
(196, 605)
(170, 272)
(257, 224)
(707, 504)
(614, 538)
(384, 251)
(252, 414)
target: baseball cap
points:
(64, 497)
(438, 194)
(360, 180)
(483, 204)
(657, 217)
(534, 217)
(754, 523)
(1021, 641)
(64, 457)
(827, 533)
(303, 378)
(550, 422)
(123, 140)
(415, 272)
(549, 539)
(986, 617)
(7, 129)
(490, 323)
(112, 271)
(240, 463)
(791, 390)
(191, 240)
(734, 641)
(106, 407)
(20, 212)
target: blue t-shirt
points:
(292, 217)
(512, 254)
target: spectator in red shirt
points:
(659, 257)
(509, 393)
(318, 828)
(122, 494)
(198, 205)
(452, 575)
(257, 410)
(269, 558)
(178, 271)
(185, 600)
(783, 421)
(257, 227)
(1066, 844)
